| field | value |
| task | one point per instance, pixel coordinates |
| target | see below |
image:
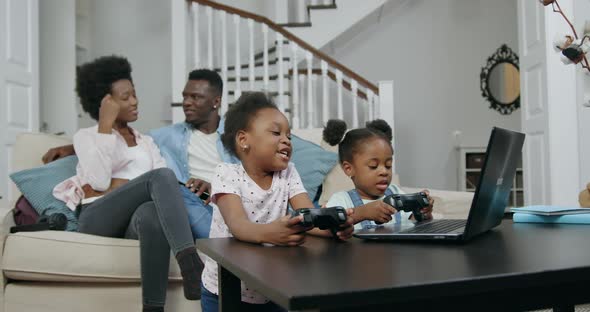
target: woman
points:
(122, 188)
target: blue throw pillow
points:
(313, 164)
(37, 185)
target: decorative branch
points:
(557, 9)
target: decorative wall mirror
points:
(500, 81)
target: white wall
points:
(141, 31)
(57, 61)
(434, 52)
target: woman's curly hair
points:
(94, 80)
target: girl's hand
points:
(377, 211)
(286, 231)
(346, 229)
(109, 110)
(427, 211)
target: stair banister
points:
(302, 108)
(289, 36)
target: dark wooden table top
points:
(323, 272)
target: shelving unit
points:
(470, 165)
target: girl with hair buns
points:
(366, 156)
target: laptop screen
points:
(497, 175)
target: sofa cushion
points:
(37, 184)
(312, 162)
(70, 256)
(29, 148)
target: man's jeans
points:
(199, 214)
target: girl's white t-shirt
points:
(261, 206)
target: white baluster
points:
(376, 107)
(251, 53)
(222, 17)
(370, 99)
(265, 55)
(196, 47)
(339, 93)
(238, 66)
(309, 58)
(209, 12)
(316, 116)
(295, 91)
(325, 104)
(355, 114)
(302, 99)
(282, 105)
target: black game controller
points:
(323, 218)
(409, 202)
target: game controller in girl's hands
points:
(323, 218)
(409, 202)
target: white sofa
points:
(65, 271)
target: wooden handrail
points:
(261, 19)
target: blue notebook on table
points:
(550, 210)
(551, 214)
(580, 218)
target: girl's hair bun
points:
(380, 125)
(334, 131)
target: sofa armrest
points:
(447, 204)
(6, 221)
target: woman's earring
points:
(244, 147)
(214, 106)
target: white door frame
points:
(19, 80)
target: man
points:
(193, 148)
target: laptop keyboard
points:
(438, 226)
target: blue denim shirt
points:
(173, 143)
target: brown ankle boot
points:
(190, 269)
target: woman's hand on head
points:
(109, 110)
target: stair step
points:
(258, 78)
(303, 24)
(273, 94)
(270, 50)
(309, 8)
(322, 6)
(256, 64)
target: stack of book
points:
(551, 214)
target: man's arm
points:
(58, 152)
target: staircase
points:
(327, 22)
(253, 53)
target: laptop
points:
(489, 201)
